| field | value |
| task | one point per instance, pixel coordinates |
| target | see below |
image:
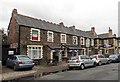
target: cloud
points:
(81, 13)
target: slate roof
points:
(104, 35)
(38, 23)
(91, 34)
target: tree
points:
(4, 36)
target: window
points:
(82, 41)
(87, 42)
(35, 51)
(75, 40)
(35, 34)
(92, 42)
(50, 36)
(63, 38)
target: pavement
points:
(37, 71)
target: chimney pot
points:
(14, 11)
(61, 24)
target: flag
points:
(34, 35)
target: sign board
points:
(10, 52)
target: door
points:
(85, 60)
(90, 61)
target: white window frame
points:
(40, 55)
(61, 38)
(48, 36)
(92, 42)
(38, 34)
(76, 40)
(87, 42)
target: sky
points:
(84, 14)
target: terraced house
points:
(43, 40)
(107, 43)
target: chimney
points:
(72, 27)
(93, 31)
(110, 32)
(14, 11)
(61, 24)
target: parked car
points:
(80, 61)
(100, 59)
(114, 58)
(19, 61)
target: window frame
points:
(31, 49)
(82, 41)
(48, 36)
(32, 33)
(76, 38)
(61, 38)
(87, 42)
(92, 42)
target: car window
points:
(113, 56)
(74, 58)
(23, 58)
(83, 57)
(87, 57)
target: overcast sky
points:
(101, 14)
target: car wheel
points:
(14, 67)
(94, 65)
(82, 67)
(99, 63)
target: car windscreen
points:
(23, 58)
(112, 56)
(74, 58)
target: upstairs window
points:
(82, 41)
(87, 42)
(35, 34)
(63, 38)
(50, 36)
(92, 42)
(75, 40)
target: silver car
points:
(100, 59)
(81, 61)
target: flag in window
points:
(34, 35)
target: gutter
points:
(18, 50)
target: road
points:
(104, 72)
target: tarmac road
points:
(104, 72)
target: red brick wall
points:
(13, 34)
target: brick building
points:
(42, 40)
(106, 43)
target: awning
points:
(72, 47)
(54, 47)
